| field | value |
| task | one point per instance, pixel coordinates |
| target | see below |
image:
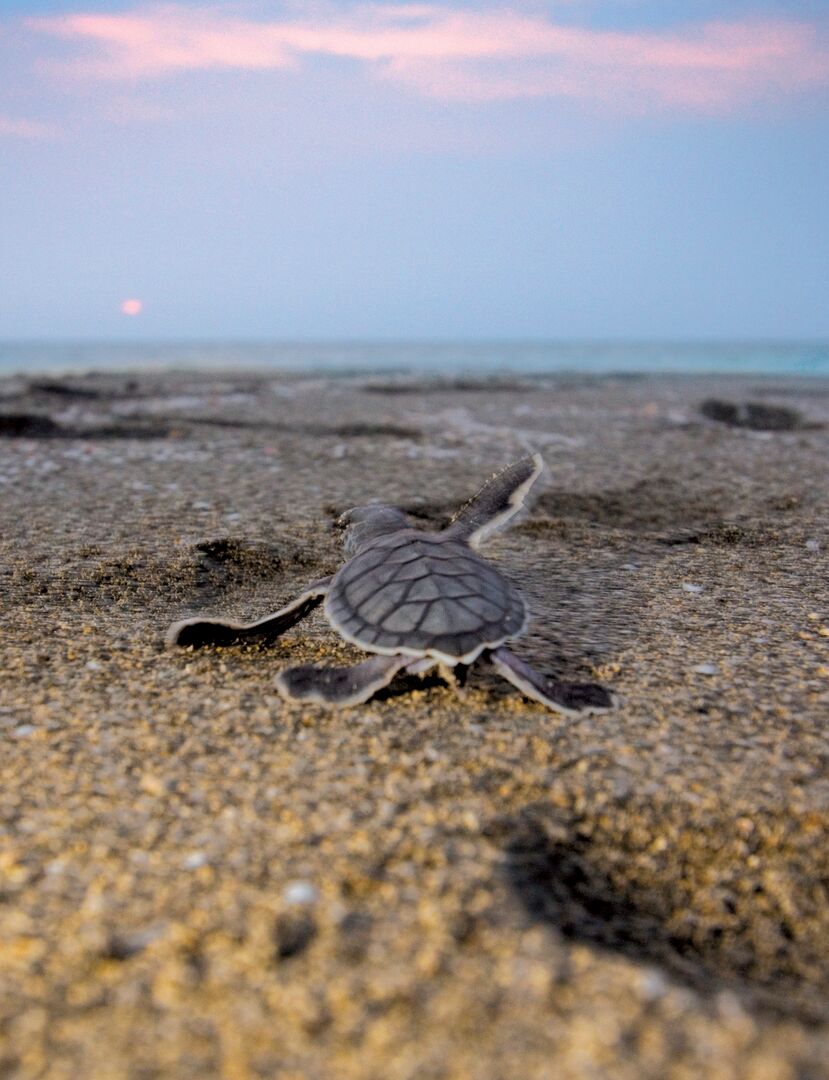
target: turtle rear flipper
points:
(569, 698)
(198, 632)
(339, 686)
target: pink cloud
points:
(464, 54)
(24, 129)
(160, 40)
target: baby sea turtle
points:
(415, 599)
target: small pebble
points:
(706, 669)
(194, 860)
(300, 892)
(22, 730)
(689, 587)
(629, 566)
(745, 826)
(202, 506)
(653, 985)
(152, 785)
(813, 545)
(729, 1007)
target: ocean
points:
(490, 358)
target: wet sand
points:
(197, 880)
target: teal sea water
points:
(758, 358)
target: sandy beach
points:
(198, 880)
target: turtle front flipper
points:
(200, 631)
(569, 698)
(499, 499)
(339, 686)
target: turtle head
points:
(366, 523)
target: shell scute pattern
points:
(423, 594)
(379, 605)
(428, 588)
(402, 620)
(491, 612)
(458, 588)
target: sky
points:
(254, 170)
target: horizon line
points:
(358, 342)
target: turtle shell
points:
(423, 594)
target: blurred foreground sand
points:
(199, 881)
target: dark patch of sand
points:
(41, 426)
(197, 880)
(341, 431)
(459, 385)
(756, 415)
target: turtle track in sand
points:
(763, 946)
